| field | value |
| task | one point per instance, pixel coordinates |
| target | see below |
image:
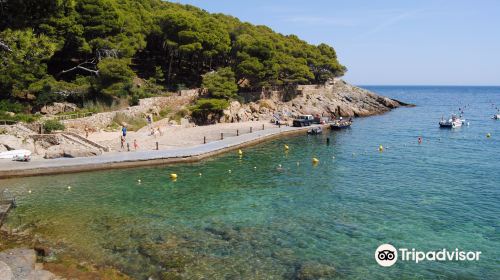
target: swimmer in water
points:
(280, 168)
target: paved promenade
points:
(141, 158)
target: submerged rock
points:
(17, 264)
(315, 271)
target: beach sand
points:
(176, 136)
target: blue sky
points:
(389, 42)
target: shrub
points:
(220, 84)
(8, 106)
(52, 125)
(208, 111)
(132, 123)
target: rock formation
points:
(20, 264)
(334, 99)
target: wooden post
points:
(221, 136)
(237, 132)
(250, 129)
(204, 139)
(128, 147)
(262, 126)
(157, 146)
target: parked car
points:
(303, 120)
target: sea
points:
(232, 217)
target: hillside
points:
(88, 50)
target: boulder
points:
(56, 151)
(5, 272)
(21, 264)
(254, 107)
(80, 152)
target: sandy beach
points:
(183, 146)
(175, 136)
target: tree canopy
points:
(99, 46)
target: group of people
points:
(124, 139)
(153, 132)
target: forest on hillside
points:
(78, 50)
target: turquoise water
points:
(305, 221)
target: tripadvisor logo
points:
(387, 255)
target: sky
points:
(389, 42)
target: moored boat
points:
(340, 124)
(315, 130)
(496, 117)
(19, 155)
(452, 122)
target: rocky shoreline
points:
(333, 99)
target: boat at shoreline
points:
(17, 155)
(453, 122)
(340, 124)
(315, 130)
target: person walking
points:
(136, 146)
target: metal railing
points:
(8, 122)
(71, 116)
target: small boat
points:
(340, 124)
(452, 122)
(18, 155)
(496, 117)
(315, 130)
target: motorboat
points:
(315, 130)
(17, 155)
(452, 122)
(340, 124)
(496, 117)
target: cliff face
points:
(334, 99)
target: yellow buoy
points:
(139, 181)
(488, 135)
(315, 161)
(381, 148)
(29, 191)
(199, 174)
(240, 152)
(69, 187)
(286, 147)
(173, 176)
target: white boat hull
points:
(15, 154)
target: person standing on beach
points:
(124, 131)
(136, 146)
(122, 142)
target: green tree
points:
(220, 84)
(115, 77)
(23, 61)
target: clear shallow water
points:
(263, 224)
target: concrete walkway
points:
(141, 158)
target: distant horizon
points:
(390, 42)
(422, 85)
